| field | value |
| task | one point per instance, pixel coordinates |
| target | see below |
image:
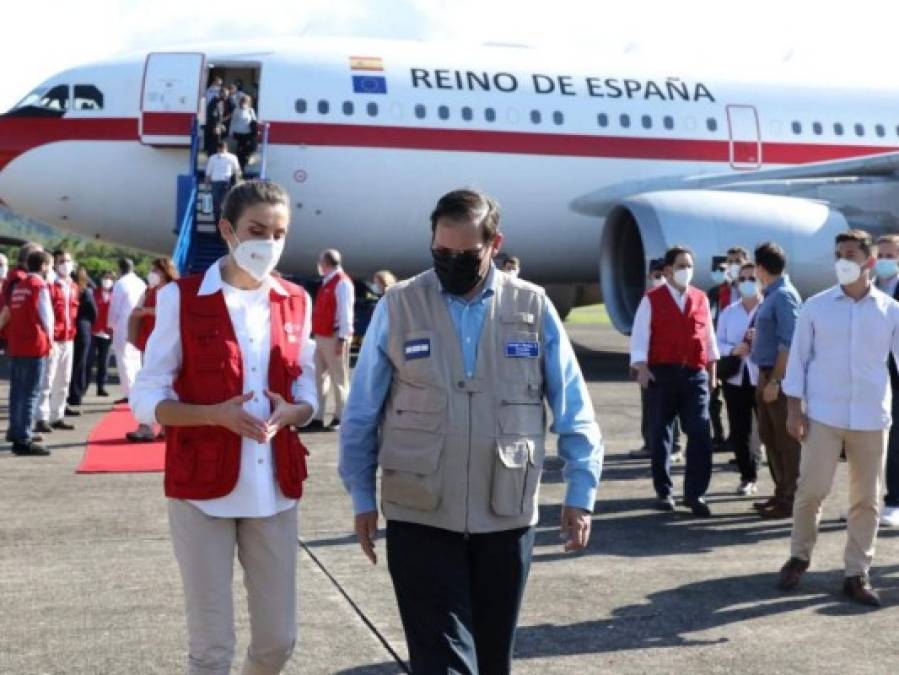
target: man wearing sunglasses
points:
(448, 399)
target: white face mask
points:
(106, 283)
(657, 282)
(718, 277)
(683, 277)
(847, 271)
(886, 268)
(748, 289)
(733, 271)
(258, 257)
(65, 269)
(153, 278)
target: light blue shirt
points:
(580, 443)
(838, 359)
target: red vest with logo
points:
(102, 298)
(204, 462)
(64, 313)
(324, 315)
(148, 322)
(26, 335)
(14, 276)
(675, 337)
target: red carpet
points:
(108, 451)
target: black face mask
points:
(458, 272)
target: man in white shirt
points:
(837, 369)
(332, 326)
(126, 294)
(222, 170)
(229, 371)
(673, 351)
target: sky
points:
(41, 37)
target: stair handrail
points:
(264, 162)
(185, 231)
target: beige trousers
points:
(866, 452)
(267, 551)
(331, 369)
(55, 385)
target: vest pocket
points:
(410, 474)
(199, 457)
(522, 414)
(514, 476)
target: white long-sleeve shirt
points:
(733, 322)
(643, 320)
(257, 493)
(346, 297)
(126, 294)
(45, 310)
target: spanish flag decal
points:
(370, 63)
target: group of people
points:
(815, 377)
(59, 325)
(230, 115)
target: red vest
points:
(675, 337)
(64, 313)
(324, 314)
(14, 276)
(724, 296)
(204, 462)
(102, 298)
(148, 322)
(26, 335)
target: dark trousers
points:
(219, 190)
(99, 356)
(680, 392)
(715, 409)
(740, 400)
(783, 450)
(80, 354)
(246, 144)
(891, 475)
(644, 425)
(25, 376)
(458, 595)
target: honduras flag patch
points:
(417, 349)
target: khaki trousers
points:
(55, 385)
(267, 550)
(781, 449)
(866, 452)
(331, 369)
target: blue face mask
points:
(717, 277)
(748, 289)
(886, 268)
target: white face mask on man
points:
(257, 257)
(848, 271)
(683, 277)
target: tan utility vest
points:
(463, 454)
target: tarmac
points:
(89, 584)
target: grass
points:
(589, 314)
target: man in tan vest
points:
(448, 399)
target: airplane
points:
(598, 166)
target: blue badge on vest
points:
(522, 350)
(417, 349)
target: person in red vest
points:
(101, 337)
(229, 371)
(674, 350)
(332, 327)
(28, 318)
(58, 374)
(162, 271)
(10, 277)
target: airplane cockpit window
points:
(797, 127)
(347, 107)
(711, 124)
(490, 114)
(817, 128)
(646, 121)
(372, 109)
(87, 97)
(602, 119)
(880, 130)
(300, 106)
(668, 122)
(535, 116)
(323, 107)
(625, 120)
(467, 114)
(859, 129)
(558, 117)
(443, 112)
(44, 101)
(420, 111)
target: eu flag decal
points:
(369, 84)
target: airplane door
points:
(170, 97)
(745, 137)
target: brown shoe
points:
(767, 504)
(791, 573)
(858, 589)
(776, 512)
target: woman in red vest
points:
(229, 371)
(162, 271)
(101, 339)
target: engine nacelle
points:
(709, 222)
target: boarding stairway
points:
(199, 243)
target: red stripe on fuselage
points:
(20, 134)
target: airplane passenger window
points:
(668, 121)
(859, 129)
(490, 114)
(880, 130)
(372, 109)
(323, 107)
(420, 111)
(443, 112)
(624, 120)
(646, 121)
(467, 114)
(711, 124)
(602, 120)
(818, 128)
(558, 117)
(838, 128)
(797, 127)
(535, 116)
(347, 107)
(87, 97)
(300, 105)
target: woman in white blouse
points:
(243, 128)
